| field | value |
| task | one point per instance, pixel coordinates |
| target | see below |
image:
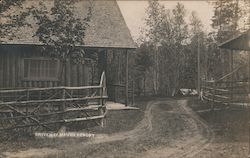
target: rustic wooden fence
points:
(226, 90)
(47, 107)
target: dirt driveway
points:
(169, 129)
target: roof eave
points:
(84, 46)
(240, 42)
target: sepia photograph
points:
(124, 78)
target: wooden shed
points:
(231, 88)
(23, 64)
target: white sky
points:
(134, 12)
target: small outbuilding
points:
(230, 89)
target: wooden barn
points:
(24, 65)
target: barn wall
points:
(11, 73)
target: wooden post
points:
(213, 102)
(62, 109)
(133, 92)
(100, 113)
(63, 97)
(64, 103)
(100, 109)
(27, 98)
(232, 77)
(126, 79)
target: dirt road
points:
(193, 141)
(169, 129)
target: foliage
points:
(144, 62)
(166, 35)
(7, 4)
(9, 22)
(226, 17)
(180, 26)
(197, 39)
(61, 31)
(246, 11)
(153, 21)
(58, 28)
(174, 44)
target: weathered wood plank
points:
(86, 75)
(68, 73)
(12, 69)
(80, 75)
(1, 69)
(18, 70)
(7, 70)
(73, 74)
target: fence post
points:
(133, 92)
(115, 96)
(100, 109)
(213, 95)
(64, 103)
(28, 98)
(63, 97)
(101, 112)
(201, 89)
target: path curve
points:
(187, 148)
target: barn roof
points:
(241, 42)
(107, 26)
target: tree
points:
(61, 31)
(246, 12)
(196, 25)
(176, 51)
(154, 20)
(226, 17)
(167, 33)
(180, 26)
(196, 38)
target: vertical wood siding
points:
(11, 69)
(1, 69)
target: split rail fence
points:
(225, 90)
(52, 106)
